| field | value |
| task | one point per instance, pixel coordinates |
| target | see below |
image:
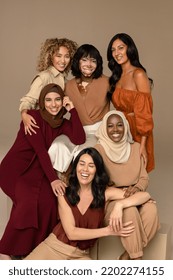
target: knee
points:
(149, 213)
(130, 214)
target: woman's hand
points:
(130, 191)
(58, 187)
(29, 123)
(115, 220)
(126, 230)
(67, 103)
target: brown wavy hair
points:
(50, 47)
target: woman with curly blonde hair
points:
(53, 66)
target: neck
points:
(127, 68)
(86, 79)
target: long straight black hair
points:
(99, 183)
(132, 54)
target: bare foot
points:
(4, 257)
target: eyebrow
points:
(85, 161)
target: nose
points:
(88, 62)
(116, 51)
(53, 103)
(85, 167)
(115, 128)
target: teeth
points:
(84, 175)
(119, 57)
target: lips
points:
(118, 58)
(84, 175)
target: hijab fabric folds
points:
(57, 120)
(118, 152)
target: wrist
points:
(119, 204)
(24, 111)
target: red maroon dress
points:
(25, 176)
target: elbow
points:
(80, 140)
(148, 196)
(70, 232)
(70, 235)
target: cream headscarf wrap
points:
(116, 152)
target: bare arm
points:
(141, 81)
(75, 233)
(117, 213)
(142, 84)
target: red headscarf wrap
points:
(57, 120)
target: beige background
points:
(25, 24)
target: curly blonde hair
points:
(50, 47)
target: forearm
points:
(77, 135)
(27, 103)
(76, 233)
(30, 100)
(68, 223)
(134, 200)
(143, 181)
(143, 141)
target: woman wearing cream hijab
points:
(126, 169)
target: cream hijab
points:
(116, 152)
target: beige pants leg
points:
(53, 249)
(146, 222)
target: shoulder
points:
(135, 146)
(139, 73)
(141, 80)
(104, 79)
(99, 148)
(35, 114)
(70, 81)
(40, 77)
(44, 74)
(135, 150)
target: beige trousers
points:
(53, 249)
(146, 221)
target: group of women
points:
(109, 153)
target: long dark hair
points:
(132, 54)
(99, 183)
(85, 51)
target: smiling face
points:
(85, 170)
(87, 66)
(119, 51)
(115, 128)
(53, 103)
(61, 59)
